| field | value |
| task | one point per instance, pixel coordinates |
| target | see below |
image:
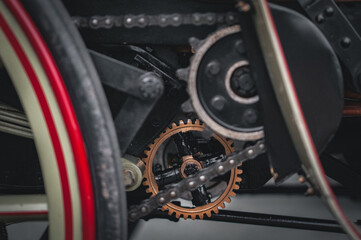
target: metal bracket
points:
(340, 33)
(143, 90)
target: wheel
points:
(71, 125)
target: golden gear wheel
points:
(199, 211)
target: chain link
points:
(171, 192)
(161, 20)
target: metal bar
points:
(315, 224)
(17, 208)
(10, 119)
(15, 129)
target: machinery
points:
(116, 111)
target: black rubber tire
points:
(92, 111)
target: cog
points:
(195, 211)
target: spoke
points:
(168, 176)
(200, 196)
(182, 144)
(14, 122)
(18, 208)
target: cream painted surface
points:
(41, 134)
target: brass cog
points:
(199, 211)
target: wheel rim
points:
(56, 132)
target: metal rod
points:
(315, 224)
(15, 130)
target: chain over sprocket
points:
(201, 209)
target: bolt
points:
(243, 6)
(240, 47)
(250, 116)
(218, 102)
(242, 82)
(129, 178)
(345, 42)
(310, 191)
(150, 86)
(320, 18)
(329, 11)
(302, 179)
(213, 68)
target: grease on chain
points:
(161, 20)
(171, 192)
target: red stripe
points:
(16, 213)
(306, 126)
(50, 123)
(61, 94)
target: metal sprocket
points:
(199, 211)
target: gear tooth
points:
(239, 179)
(195, 43)
(236, 187)
(196, 122)
(183, 73)
(227, 200)
(164, 208)
(177, 215)
(232, 194)
(185, 216)
(239, 171)
(201, 216)
(189, 121)
(216, 210)
(223, 205)
(193, 217)
(181, 122)
(208, 214)
(174, 125)
(187, 106)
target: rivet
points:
(250, 152)
(128, 20)
(173, 194)
(161, 200)
(345, 42)
(107, 21)
(232, 162)
(320, 18)
(202, 178)
(191, 184)
(261, 146)
(220, 168)
(329, 11)
(95, 21)
(144, 209)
